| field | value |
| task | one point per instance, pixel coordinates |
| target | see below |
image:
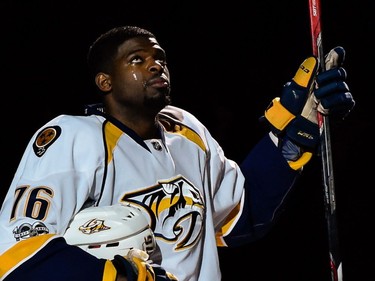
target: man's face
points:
(140, 77)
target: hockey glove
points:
(136, 267)
(332, 96)
(295, 114)
(284, 113)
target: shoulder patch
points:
(45, 139)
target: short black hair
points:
(104, 49)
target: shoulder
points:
(75, 124)
(179, 115)
(178, 120)
(66, 130)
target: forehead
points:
(138, 44)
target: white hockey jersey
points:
(191, 194)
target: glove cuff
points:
(278, 116)
(123, 266)
(304, 132)
(302, 161)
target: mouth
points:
(158, 82)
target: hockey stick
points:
(326, 152)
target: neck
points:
(144, 127)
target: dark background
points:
(227, 61)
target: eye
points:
(136, 60)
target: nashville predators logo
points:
(93, 226)
(175, 208)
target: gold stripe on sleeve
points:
(22, 251)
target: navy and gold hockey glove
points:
(136, 266)
(284, 113)
(294, 116)
(332, 95)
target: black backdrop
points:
(227, 61)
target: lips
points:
(158, 82)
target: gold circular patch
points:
(46, 137)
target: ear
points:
(103, 81)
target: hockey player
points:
(136, 148)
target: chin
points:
(158, 102)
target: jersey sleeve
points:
(52, 260)
(268, 182)
(52, 182)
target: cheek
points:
(135, 75)
(136, 79)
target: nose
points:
(156, 66)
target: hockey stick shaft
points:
(326, 152)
